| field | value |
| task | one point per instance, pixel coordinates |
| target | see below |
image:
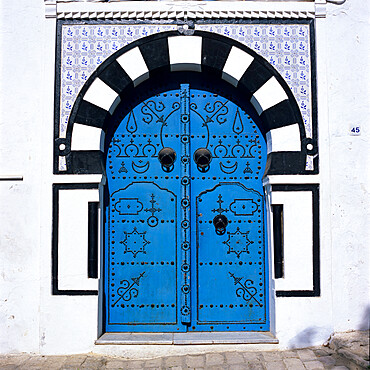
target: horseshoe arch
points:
(248, 75)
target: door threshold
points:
(252, 337)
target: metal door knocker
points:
(167, 157)
(220, 223)
(202, 158)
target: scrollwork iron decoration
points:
(150, 108)
(245, 290)
(218, 108)
(128, 291)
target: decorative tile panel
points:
(84, 48)
(285, 46)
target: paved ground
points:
(354, 346)
(309, 358)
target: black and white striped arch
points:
(221, 57)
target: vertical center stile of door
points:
(185, 203)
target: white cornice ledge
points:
(50, 8)
(320, 8)
(162, 10)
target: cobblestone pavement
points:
(308, 358)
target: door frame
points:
(121, 115)
(160, 56)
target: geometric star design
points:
(238, 242)
(134, 242)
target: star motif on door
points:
(134, 242)
(238, 242)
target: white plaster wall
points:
(343, 56)
(298, 251)
(21, 120)
(348, 89)
(32, 320)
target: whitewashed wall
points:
(32, 320)
(348, 92)
(21, 135)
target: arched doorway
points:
(223, 69)
(185, 224)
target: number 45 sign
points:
(355, 130)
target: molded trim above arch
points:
(91, 9)
(222, 58)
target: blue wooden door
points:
(229, 260)
(185, 228)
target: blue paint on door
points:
(185, 241)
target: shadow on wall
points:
(365, 322)
(309, 337)
(314, 336)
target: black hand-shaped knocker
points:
(167, 157)
(220, 222)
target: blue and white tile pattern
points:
(285, 46)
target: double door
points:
(184, 221)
